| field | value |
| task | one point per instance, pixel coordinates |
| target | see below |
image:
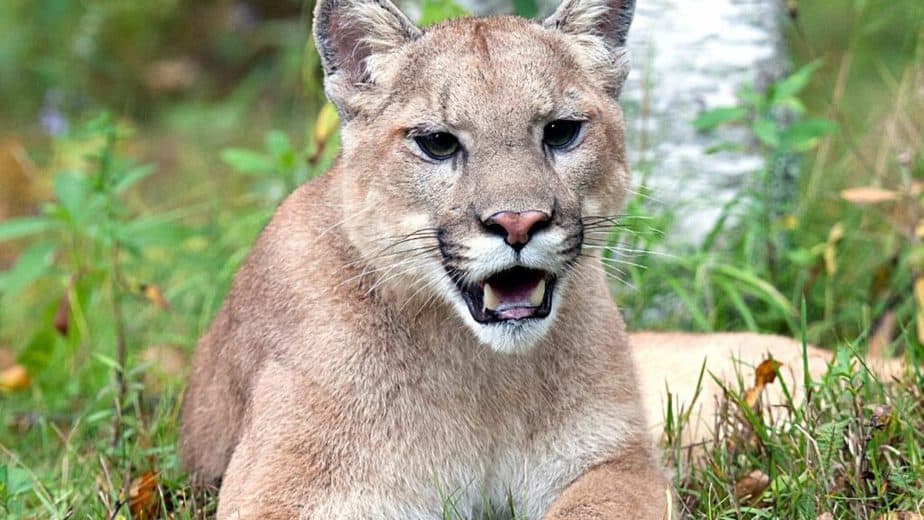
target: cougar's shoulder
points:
(270, 296)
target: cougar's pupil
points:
(560, 133)
(438, 145)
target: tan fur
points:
(344, 377)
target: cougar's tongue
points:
(515, 293)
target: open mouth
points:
(518, 293)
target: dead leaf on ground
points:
(17, 174)
(763, 376)
(62, 315)
(18, 177)
(326, 123)
(752, 485)
(882, 417)
(869, 195)
(830, 253)
(7, 358)
(172, 75)
(143, 500)
(155, 296)
(14, 378)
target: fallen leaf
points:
(62, 315)
(155, 296)
(17, 174)
(14, 378)
(172, 75)
(752, 485)
(869, 195)
(7, 358)
(830, 252)
(881, 417)
(326, 124)
(763, 376)
(766, 372)
(17, 198)
(142, 496)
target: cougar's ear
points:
(600, 27)
(352, 36)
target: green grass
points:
(853, 450)
(793, 256)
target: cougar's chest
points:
(489, 435)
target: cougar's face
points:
(480, 169)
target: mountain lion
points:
(427, 329)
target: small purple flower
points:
(51, 119)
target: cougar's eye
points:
(560, 133)
(438, 145)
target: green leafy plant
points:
(87, 239)
(732, 279)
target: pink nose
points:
(516, 227)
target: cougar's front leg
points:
(629, 486)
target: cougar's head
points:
(475, 151)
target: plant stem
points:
(120, 346)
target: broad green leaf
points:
(718, 116)
(32, 264)
(72, 194)
(767, 132)
(805, 135)
(152, 231)
(794, 83)
(278, 144)
(248, 161)
(132, 177)
(13, 481)
(39, 351)
(24, 227)
(752, 97)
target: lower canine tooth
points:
(538, 294)
(490, 299)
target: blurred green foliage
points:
(132, 56)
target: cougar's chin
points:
(512, 309)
